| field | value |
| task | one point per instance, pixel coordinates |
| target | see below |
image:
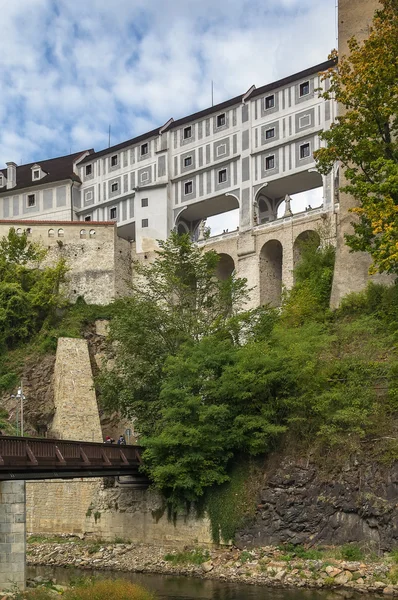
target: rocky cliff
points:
(300, 504)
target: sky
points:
(69, 68)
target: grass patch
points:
(291, 552)
(194, 557)
(351, 552)
(94, 589)
(51, 539)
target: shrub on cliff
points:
(29, 291)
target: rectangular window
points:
(113, 213)
(305, 151)
(304, 88)
(144, 176)
(144, 149)
(221, 120)
(269, 102)
(114, 160)
(36, 174)
(222, 176)
(114, 187)
(187, 132)
(87, 218)
(187, 161)
(89, 169)
(270, 162)
(144, 202)
(188, 187)
(270, 133)
(31, 200)
(221, 150)
(144, 223)
(1, 181)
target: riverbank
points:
(278, 567)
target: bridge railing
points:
(47, 455)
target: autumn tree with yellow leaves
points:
(365, 137)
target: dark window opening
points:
(188, 188)
(114, 160)
(222, 176)
(144, 223)
(115, 187)
(304, 88)
(144, 202)
(270, 133)
(221, 120)
(187, 132)
(305, 151)
(89, 169)
(144, 149)
(270, 102)
(270, 162)
(112, 213)
(188, 161)
(31, 200)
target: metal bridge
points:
(33, 458)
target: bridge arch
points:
(271, 261)
(225, 267)
(309, 235)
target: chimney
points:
(11, 175)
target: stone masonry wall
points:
(60, 506)
(98, 260)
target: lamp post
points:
(20, 397)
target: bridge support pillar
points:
(12, 535)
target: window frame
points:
(113, 188)
(301, 87)
(114, 163)
(28, 199)
(190, 182)
(88, 173)
(144, 223)
(187, 128)
(188, 158)
(86, 195)
(142, 180)
(218, 153)
(266, 102)
(305, 145)
(268, 158)
(111, 209)
(270, 137)
(36, 174)
(144, 202)
(221, 116)
(143, 146)
(221, 174)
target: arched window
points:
(19, 231)
(28, 231)
(92, 233)
(83, 233)
(51, 233)
(61, 233)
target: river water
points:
(190, 588)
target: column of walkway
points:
(12, 534)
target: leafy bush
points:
(351, 552)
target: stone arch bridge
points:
(267, 254)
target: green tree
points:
(29, 292)
(175, 299)
(365, 138)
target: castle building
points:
(250, 153)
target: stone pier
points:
(12, 535)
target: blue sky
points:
(70, 68)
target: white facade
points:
(248, 152)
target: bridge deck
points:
(33, 458)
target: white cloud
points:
(69, 70)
